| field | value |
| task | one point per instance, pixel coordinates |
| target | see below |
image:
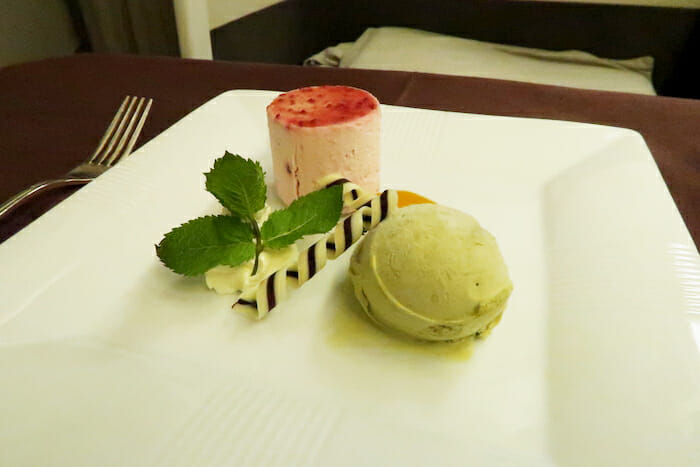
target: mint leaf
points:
(238, 184)
(317, 212)
(205, 242)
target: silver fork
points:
(116, 143)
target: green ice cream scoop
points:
(431, 272)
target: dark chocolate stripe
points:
(347, 231)
(294, 274)
(384, 202)
(311, 260)
(367, 218)
(246, 303)
(340, 181)
(367, 204)
(354, 194)
(271, 292)
(330, 246)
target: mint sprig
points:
(239, 185)
(205, 242)
(316, 212)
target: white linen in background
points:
(404, 49)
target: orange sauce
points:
(407, 198)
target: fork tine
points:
(93, 167)
(139, 126)
(109, 130)
(118, 153)
(117, 132)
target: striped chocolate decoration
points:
(270, 289)
(311, 261)
(366, 212)
(337, 181)
(384, 199)
(253, 303)
(347, 230)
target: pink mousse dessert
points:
(322, 130)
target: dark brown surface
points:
(304, 27)
(52, 113)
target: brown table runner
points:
(53, 112)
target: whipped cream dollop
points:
(238, 279)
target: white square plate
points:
(107, 358)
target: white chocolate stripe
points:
(310, 261)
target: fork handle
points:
(37, 188)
